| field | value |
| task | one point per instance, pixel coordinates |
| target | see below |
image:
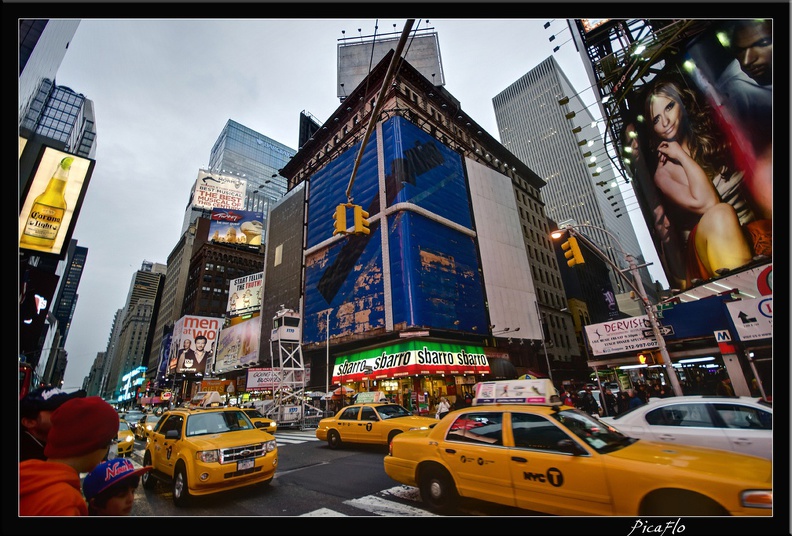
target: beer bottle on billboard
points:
(49, 208)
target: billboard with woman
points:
(699, 140)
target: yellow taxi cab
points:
(145, 425)
(517, 445)
(199, 451)
(126, 438)
(260, 421)
(374, 423)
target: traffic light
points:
(572, 251)
(340, 219)
(361, 223)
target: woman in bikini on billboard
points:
(695, 171)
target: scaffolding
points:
(289, 405)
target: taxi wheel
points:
(679, 502)
(149, 481)
(437, 489)
(393, 434)
(181, 495)
(333, 439)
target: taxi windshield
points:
(392, 410)
(596, 434)
(217, 422)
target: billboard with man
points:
(193, 345)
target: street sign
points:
(625, 335)
(664, 330)
(753, 319)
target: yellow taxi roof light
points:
(540, 392)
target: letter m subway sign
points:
(724, 340)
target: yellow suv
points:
(204, 451)
(517, 445)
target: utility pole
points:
(327, 368)
(636, 285)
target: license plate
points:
(243, 465)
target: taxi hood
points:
(699, 459)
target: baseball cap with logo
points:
(45, 399)
(110, 473)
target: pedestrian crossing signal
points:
(646, 359)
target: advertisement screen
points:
(244, 295)
(193, 344)
(48, 214)
(213, 190)
(238, 345)
(242, 227)
(698, 143)
(35, 296)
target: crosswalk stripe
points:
(384, 507)
(323, 512)
(294, 437)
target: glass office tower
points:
(563, 145)
(241, 151)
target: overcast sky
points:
(164, 89)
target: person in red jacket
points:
(82, 433)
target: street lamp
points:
(637, 285)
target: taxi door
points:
(349, 426)
(549, 480)
(473, 450)
(371, 427)
(162, 451)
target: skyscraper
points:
(63, 117)
(544, 123)
(42, 47)
(132, 339)
(243, 152)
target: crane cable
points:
(378, 105)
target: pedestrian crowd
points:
(66, 435)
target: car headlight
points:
(129, 439)
(757, 498)
(270, 446)
(208, 456)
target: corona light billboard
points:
(698, 143)
(50, 207)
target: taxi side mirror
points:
(172, 434)
(570, 447)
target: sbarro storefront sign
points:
(411, 357)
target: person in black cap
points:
(35, 409)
